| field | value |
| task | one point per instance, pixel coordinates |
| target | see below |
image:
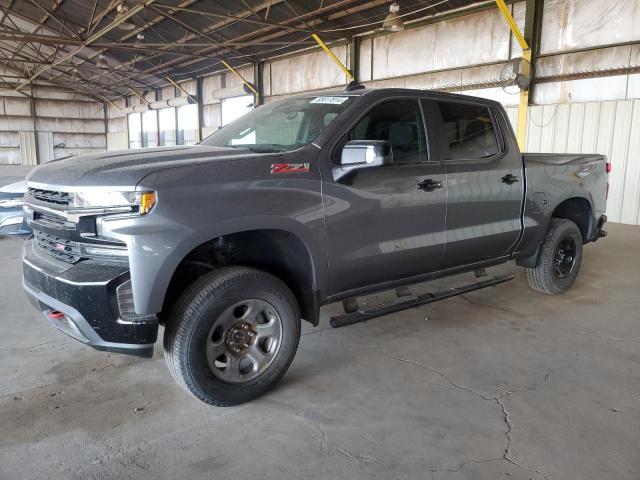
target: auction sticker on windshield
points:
(330, 100)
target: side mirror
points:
(366, 153)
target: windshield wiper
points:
(263, 147)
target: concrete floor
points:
(500, 383)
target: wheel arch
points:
(282, 252)
(577, 209)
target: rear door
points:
(485, 181)
(381, 225)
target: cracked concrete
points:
(500, 383)
(506, 455)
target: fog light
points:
(124, 295)
(11, 221)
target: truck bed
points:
(562, 159)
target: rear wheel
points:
(560, 258)
(232, 335)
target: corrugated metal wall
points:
(28, 152)
(469, 54)
(65, 124)
(610, 128)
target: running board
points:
(366, 313)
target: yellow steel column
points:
(179, 87)
(333, 57)
(109, 102)
(139, 96)
(523, 108)
(239, 75)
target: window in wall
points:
(135, 130)
(469, 131)
(233, 108)
(167, 117)
(400, 123)
(150, 128)
(188, 124)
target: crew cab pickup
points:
(301, 202)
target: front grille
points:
(53, 221)
(57, 247)
(50, 196)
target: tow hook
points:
(55, 315)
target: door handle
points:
(429, 185)
(509, 179)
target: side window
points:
(469, 131)
(400, 123)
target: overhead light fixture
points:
(101, 62)
(122, 9)
(140, 36)
(393, 22)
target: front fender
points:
(157, 246)
(197, 204)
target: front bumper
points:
(86, 294)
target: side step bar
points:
(366, 313)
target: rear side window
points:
(400, 123)
(469, 131)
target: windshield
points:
(281, 126)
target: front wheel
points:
(232, 335)
(560, 258)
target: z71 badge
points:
(289, 168)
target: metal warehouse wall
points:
(586, 92)
(48, 124)
(610, 128)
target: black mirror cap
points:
(366, 153)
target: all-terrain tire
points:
(550, 276)
(194, 315)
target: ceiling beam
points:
(262, 23)
(190, 28)
(84, 64)
(102, 32)
(305, 21)
(213, 28)
(36, 38)
(49, 14)
(95, 21)
(149, 24)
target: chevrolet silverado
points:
(302, 202)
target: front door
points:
(485, 182)
(386, 223)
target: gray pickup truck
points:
(302, 202)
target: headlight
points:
(14, 220)
(139, 202)
(12, 203)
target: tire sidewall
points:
(566, 229)
(201, 316)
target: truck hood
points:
(126, 168)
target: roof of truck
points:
(358, 92)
